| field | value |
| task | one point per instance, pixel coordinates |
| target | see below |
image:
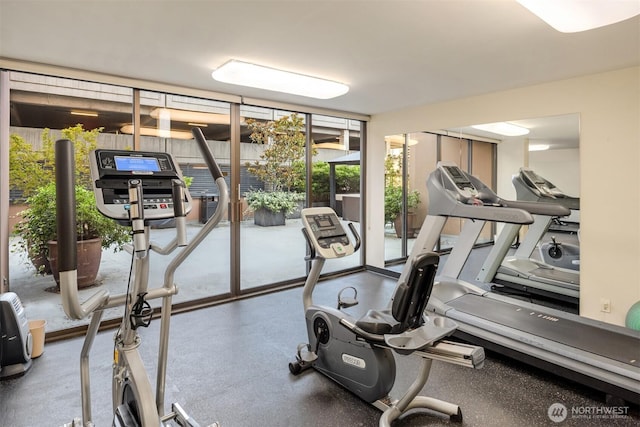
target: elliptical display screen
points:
(137, 164)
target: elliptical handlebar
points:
(206, 153)
(67, 236)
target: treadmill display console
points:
(465, 188)
(539, 183)
(326, 232)
(111, 171)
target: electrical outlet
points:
(605, 305)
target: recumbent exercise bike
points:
(359, 353)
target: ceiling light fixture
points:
(147, 131)
(572, 16)
(330, 146)
(538, 147)
(187, 116)
(502, 128)
(397, 141)
(257, 76)
(85, 113)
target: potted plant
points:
(95, 231)
(271, 208)
(393, 208)
(285, 146)
(32, 171)
(393, 197)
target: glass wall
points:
(335, 176)
(239, 256)
(166, 121)
(272, 190)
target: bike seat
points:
(379, 322)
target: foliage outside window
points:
(29, 169)
(347, 180)
(285, 146)
(33, 172)
(393, 189)
(277, 201)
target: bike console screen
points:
(326, 232)
(111, 171)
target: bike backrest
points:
(411, 297)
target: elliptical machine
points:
(135, 189)
(359, 353)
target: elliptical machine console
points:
(113, 169)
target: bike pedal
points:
(305, 355)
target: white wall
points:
(561, 167)
(609, 108)
(512, 155)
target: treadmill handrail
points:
(491, 213)
(538, 208)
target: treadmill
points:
(532, 187)
(521, 271)
(602, 356)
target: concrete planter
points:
(411, 230)
(89, 256)
(267, 218)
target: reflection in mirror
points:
(407, 167)
(549, 154)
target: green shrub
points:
(393, 201)
(347, 180)
(38, 224)
(275, 201)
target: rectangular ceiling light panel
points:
(258, 76)
(502, 128)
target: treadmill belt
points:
(558, 275)
(605, 343)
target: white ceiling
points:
(393, 54)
